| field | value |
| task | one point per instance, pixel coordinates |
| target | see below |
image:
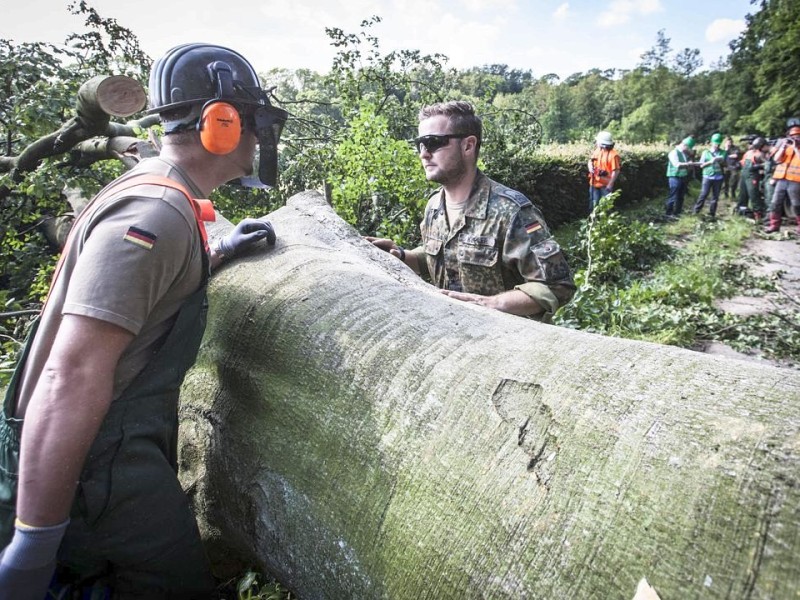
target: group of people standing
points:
(771, 176)
(762, 178)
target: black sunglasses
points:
(435, 141)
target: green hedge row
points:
(555, 177)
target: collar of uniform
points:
(477, 204)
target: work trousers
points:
(730, 184)
(785, 190)
(709, 185)
(595, 193)
(750, 194)
(677, 192)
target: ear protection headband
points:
(220, 124)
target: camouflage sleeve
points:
(422, 261)
(534, 253)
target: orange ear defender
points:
(220, 127)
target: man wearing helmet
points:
(786, 176)
(98, 383)
(711, 161)
(678, 163)
(752, 174)
(604, 166)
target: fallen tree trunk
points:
(358, 435)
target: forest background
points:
(349, 132)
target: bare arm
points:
(214, 259)
(614, 175)
(780, 153)
(64, 415)
(514, 302)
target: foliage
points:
(612, 251)
(250, 587)
(634, 282)
(106, 46)
(309, 136)
(40, 82)
(765, 68)
(614, 248)
(377, 184)
(349, 131)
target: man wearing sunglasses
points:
(482, 242)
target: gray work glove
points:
(27, 564)
(246, 233)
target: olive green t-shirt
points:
(133, 260)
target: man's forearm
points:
(63, 417)
(412, 259)
(514, 302)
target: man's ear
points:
(470, 143)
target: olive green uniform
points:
(750, 182)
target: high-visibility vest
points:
(789, 167)
(715, 168)
(606, 160)
(672, 170)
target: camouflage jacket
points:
(500, 242)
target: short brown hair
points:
(461, 116)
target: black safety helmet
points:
(192, 75)
(758, 143)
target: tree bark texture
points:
(359, 435)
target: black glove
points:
(245, 234)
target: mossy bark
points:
(359, 435)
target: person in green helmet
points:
(678, 175)
(711, 161)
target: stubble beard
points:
(447, 176)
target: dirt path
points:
(780, 261)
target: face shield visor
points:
(267, 123)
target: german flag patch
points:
(140, 237)
(533, 227)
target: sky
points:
(543, 36)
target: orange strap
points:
(203, 210)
